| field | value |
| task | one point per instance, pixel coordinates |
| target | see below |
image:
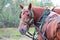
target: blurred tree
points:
(46, 3)
(10, 10)
(41, 4)
(1, 8)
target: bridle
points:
(31, 16)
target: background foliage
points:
(10, 10)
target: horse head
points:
(25, 18)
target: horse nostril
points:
(22, 30)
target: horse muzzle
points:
(23, 30)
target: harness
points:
(51, 19)
(41, 22)
(43, 18)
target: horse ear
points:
(30, 5)
(21, 6)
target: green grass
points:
(13, 34)
(9, 32)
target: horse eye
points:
(20, 16)
(24, 24)
(28, 15)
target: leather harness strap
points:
(43, 18)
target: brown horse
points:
(50, 28)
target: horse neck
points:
(38, 11)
